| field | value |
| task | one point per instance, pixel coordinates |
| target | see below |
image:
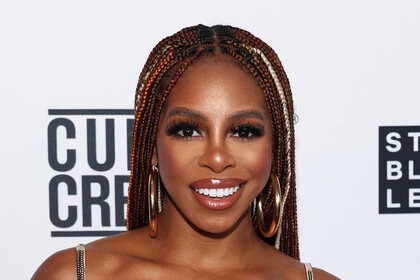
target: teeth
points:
(218, 193)
(226, 192)
(213, 193)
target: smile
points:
(218, 193)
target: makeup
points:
(217, 194)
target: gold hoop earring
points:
(152, 188)
(275, 223)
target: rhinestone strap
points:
(80, 262)
(309, 272)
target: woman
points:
(212, 170)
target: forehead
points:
(217, 80)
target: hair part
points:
(165, 65)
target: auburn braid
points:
(165, 65)
(286, 238)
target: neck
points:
(184, 244)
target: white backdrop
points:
(353, 66)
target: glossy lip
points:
(214, 195)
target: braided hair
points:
(165, 65)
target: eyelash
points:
(186, 129)
(250, 131)
(182, 129)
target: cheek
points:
(173, 162)
(166, 159)
(258, 160)
(262, 162)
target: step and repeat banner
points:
(68, 71)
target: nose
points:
(216, 156)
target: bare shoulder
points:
(320, 274)
(297, 271)
(102, 256)
(293, 269)
(60, 265)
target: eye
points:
(247, 131)
(183, 130)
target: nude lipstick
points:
(217, 194)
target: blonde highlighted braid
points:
(166, 63)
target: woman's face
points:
(214, 144)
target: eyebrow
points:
(237, 116)
(182, 111)
(246, 114)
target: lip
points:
(217, 194)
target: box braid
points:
(165, 65)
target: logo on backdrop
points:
(89, 156)
(399, 169)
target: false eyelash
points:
(174, 128)
(253, 130)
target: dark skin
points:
(116, 258)
(195, 241)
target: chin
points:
(218, 227)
